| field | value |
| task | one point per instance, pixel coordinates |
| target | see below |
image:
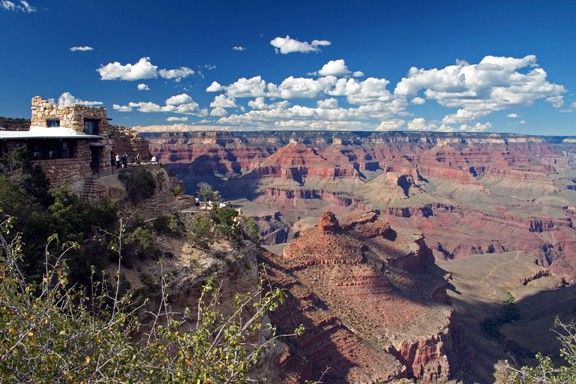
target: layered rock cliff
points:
(373, 308)
(469, 193)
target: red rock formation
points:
(469, 194)
(367, 317)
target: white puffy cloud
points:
(285, 45)
(218, 112)
(182, 103)
(358, 74)
(223, 101)
(328, 103)
(182, 98)
(121, 108)
(81, 48)
(522, 122)
(177, 119)
(494, 84)
(67, 99)
(215, 87)
(239, 48)
(339, 99)
(334, 68)
(513, 115)
(244, 87)
(303, 87)
(143, 69)
(390, 125)
(418, 124)
(176, 74)
(17, 6)
(260, 103)
(556, 101)
(143, 87)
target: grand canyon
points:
(302, 192)
(398, 247)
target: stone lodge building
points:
(71, 143)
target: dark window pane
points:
(91, 127)
(52, 123)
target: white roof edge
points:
(36, 132)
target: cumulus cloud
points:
(390, 125)
(513, 115)
(182, 103)
(121, 108)
(17, 6)
(328, 103)
(418, 124)
(177, 119)
(67, 99)
(286, 45)
(244, 87)
(238, 48)
(223, 101)
(180, 99)
(215, 87)
(334, 68)
(81, 48)
(141, 70)
(143, 87)
(302, 87)
(218, 112)
(336, 98)
(494, 84)
(176, 74)
(260, 103)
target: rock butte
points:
(364, 292)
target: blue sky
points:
(503, 66)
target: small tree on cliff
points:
(205, 192)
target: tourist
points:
(125, 160)
(117, 161)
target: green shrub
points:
(178, 190)
(199, 229)
(139, 183)
(51, 333)
(250, 227)
(167, 225)
(140, 242)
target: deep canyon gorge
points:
(474, 217)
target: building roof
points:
(47, 133)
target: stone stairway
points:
(92, 189)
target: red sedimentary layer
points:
(368, 318)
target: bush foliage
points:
(52, 333)
(139, 183)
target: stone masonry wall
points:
(71, 116)
(69, 172)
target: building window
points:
(52, 149)
(52, 123)
(91, 127)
